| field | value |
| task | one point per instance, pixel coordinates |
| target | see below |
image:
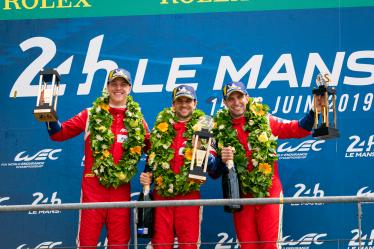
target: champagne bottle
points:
(145, 215)
(230, 187)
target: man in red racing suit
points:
(117, 220)
(182, 222)
(257, 223)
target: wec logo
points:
(303, 147)
(43, 245)
(23, 160)
(286, 151)
(39, 156)
(305, 241)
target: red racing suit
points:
(117, 220)
(263, 223)
(182, 222)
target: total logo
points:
(43, 245)
(360, 147)
(305, 191)
(40, 198)
(300, 151)
(367, 240)
(25, 159)
(304, 242)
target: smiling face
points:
(236, 102)
(118, 90)
(183, 107)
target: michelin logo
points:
(37, 160)
(286, 151)
(304, 242)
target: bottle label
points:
(143, 230)
(230, 164)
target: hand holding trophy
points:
(201, 148)
(324, 130)
(46, 103)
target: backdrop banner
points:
(276, 52)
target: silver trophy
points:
(201, 148)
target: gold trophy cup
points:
(201, 148)
(46, 103)
(324, 130)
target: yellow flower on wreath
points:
(188, 154)
(151, 156)
(263, 137)
(104, 107)
(106, 153)
(257, 109)
(102, 128)
(159, 181)
(136, 150)
(121, 176)
(265, 168)
(163, 127)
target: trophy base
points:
(205, 134)
(197, 174)
(45, 114)
(324, 133)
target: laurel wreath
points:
(167, 182)
(102, 138)
(261, 141)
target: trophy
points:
(201, 148)
(46, 103)
(324, 130)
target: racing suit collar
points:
(238, 121)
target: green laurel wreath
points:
(102, 138)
